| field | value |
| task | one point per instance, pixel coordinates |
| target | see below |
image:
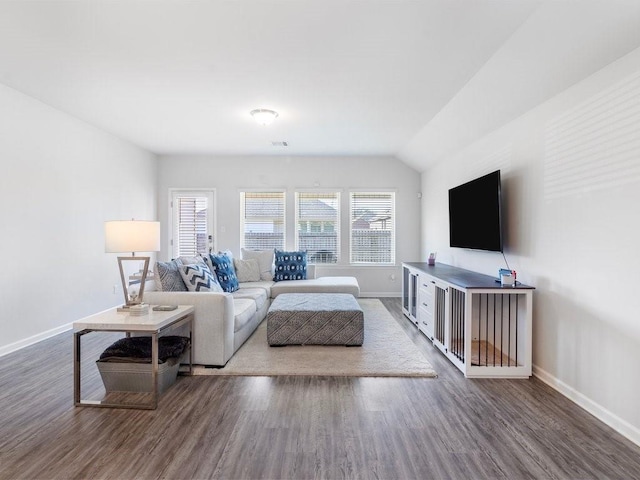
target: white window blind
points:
(373, 228)
(318, 226)
(192, 229)
(262, 220)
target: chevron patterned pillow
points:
(198, 278)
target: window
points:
(262, 220)
(373, 227)
(192, 222)
(318, 223)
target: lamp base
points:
(138, 300)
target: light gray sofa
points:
(224, 321)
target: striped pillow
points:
(170, 277)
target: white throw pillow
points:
(247, 270)
(185, 260)
(265, 261)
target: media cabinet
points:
(483, 328)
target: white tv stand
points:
(484, 329)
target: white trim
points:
(379, 294)
(262, 190)
(318, 190)
(372, 190)
(369, 265)
(618, 424)
(353, 266)
(26, 342)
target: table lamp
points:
(132, 236)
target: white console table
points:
(483, 328)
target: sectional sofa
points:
(224, 321)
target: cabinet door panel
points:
(425, 322)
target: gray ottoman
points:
(315, 319)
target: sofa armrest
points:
(213, 323)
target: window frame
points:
(337, 223)
(243, 218)
(393, 234)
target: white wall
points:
(229, 175)
(571, 180)
(61, 179)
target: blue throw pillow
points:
(290, 265)
(223, 267)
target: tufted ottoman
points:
(315, 319)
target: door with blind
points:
(192, 222)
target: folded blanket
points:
(138, 349)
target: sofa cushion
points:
(198, 278)
(265, 261)
(266, 286)
(318, 285)
(290, 265)
(243, 309)
(170, 277)
(247, 270)
(223, 267)
(258, 295)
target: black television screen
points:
(475, 214)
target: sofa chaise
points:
(224, 321)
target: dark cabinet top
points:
(463, 278)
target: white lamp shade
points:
(131, 236)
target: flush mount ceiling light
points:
(264, 116)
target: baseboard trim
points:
(379, 294)
(618, 424)
(26, 342)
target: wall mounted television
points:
(475, 214)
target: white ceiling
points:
(413, 78)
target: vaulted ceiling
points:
(417, 79)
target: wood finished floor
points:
(301, 427)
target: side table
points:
(153, 324)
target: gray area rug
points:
(386, 352)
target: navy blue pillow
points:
(223, 266)
(290, 265)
